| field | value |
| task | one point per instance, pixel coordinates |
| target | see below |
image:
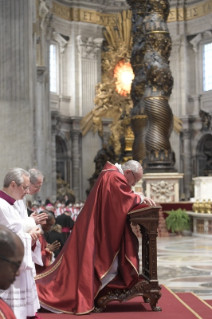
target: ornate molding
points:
(88, 48)
(73, 12)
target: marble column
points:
(106, 130)
(186, 135)
(89, 66)
(76, 158)
(54, 121)
(88, 53)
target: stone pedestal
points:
(202, 187)
(202, 224)
(163, 187)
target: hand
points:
(35, 232)
(149, 201)
(54, 246)
(39, 218)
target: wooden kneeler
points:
(147, 217)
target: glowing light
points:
(124, 74)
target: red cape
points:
(100, 233)
(5, 311)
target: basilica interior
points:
(83, 82)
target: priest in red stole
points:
(101, 240)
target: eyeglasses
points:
(25, 188)
(11, 262)
(37, 187)
(134, 177)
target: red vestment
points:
(101, 232)
(5, 311)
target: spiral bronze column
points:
(138, 115)
(156, 82)
(159, 83)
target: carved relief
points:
(162, 191)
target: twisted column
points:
(153, 82)
(138, 116)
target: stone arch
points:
(203, 154)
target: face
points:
(132, 177)
(9, 268)
(34, 188)
(19, 191)
(48, 226)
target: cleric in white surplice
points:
(22, 294)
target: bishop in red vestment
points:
(101, 235)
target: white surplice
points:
(22, 294)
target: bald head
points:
(11, 255)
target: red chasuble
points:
(5, 311)
(101, 232)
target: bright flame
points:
(124, 74)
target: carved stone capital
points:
(40, 73)
(60, 40)
(195, 42)
(88, 47)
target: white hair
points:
(34, 175)
(131, 165)
(15, 174)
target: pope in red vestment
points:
(101, 233)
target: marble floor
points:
(185, 264)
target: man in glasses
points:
(11, 256)
(101, 246)
(22, 294)
(36, 181)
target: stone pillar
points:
(89, 61)
(196, 97)
(186, 135)
(106, 130)
(76, 158)
(17, 83)
(55, 117)
(42, 115)
(88, 53)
